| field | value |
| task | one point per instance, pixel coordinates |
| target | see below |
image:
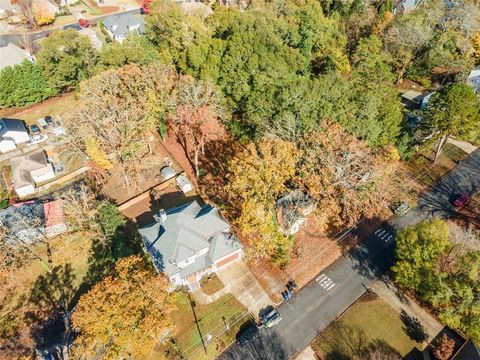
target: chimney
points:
(163, 215)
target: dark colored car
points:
(271, 319)
(48, 120)
(461, 200)
(247, 335)
(35, 130)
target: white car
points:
(37, 139)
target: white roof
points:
(11, 55)
(167, 172)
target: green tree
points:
(417, 252)
(66, 58)
(23, 84)
(453, 111)
(379, 112)
(166, 28)
(134, 49)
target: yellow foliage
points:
(97, 155)
(383, 23)
(476, 46)
(126, 314)
(43, 15)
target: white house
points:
(189, 242)
(30, 170)
(12, 133)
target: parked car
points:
(48, 119)
(42, 123)
(461, 200)
(287, 295)
(272, 318)
(84, 23)
(246, 336)
(34, 129)
(36, 139)
(402, 209)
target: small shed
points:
(167, 172)
(184, 184)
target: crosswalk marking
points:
(325, 282)
(384, 235)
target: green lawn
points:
(211, 320)
(56, 107)
(211, 284)
(365, 323)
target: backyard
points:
(212, 321)
(371, 322)
(56, 107)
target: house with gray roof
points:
(11, 55)
(119, 26)
(190, 241)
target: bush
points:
(23, 84)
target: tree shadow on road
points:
(268, 346)
(374, 255)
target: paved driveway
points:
(244, 287)
(342, 283)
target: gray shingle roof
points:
(123, 23)
(187, 230)
(12, 55)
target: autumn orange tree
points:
(257, 176)
(196, 117)
(115, 117)
(125, 314)
(343, 176)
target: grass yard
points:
(211, 284)
(426, 172)
(56, 107)
(66, 250)
(212, 319)
(366, 322)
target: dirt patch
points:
(147, 174)
(108, 9)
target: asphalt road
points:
(16, 38)
(315, 306)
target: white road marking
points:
(325, 282)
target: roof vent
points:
(163, 215)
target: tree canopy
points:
(66, 58)
(125, 314)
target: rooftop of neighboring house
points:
(182, 232)
(469, 351)
(7, 5)
(11, 55)
(32, 218)
(11, 125)
(26, 166)
(474, 78)
(120, 25)
(54, 214)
